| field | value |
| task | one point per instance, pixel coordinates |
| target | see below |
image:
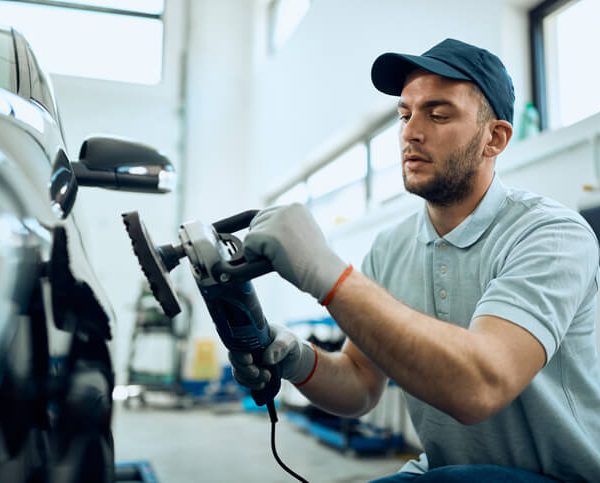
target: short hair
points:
(485, 112)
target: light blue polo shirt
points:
(530, 260)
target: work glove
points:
(295, 357)
(290, 238)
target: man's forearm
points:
(435, 361)
(342, 385)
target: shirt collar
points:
(473, 226)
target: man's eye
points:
(438, 117)
(403, 117)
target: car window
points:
(40, 87)
(8, 76)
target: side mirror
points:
(63, 186)
(123, 165)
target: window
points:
(341, 206)
(296, 194)
(40, 87)
(346, 168)
(566, 76)
(284, 16)
(366, 173)
(338, 190)
(386, 168)
(118, 40)
(8, 78)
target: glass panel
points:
(40, 87)
(90, 44)
(297, 194)
(285, 16)
(339, 207)
(573, 92)
(7, 62)
(350, 166)
(387, 183)
(385, 148)
(386, 180)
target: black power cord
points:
(274, 419)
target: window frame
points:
(273, 18)
(12, 62)
(159, 16)
(91, 8)
(539, 83)
(364, 137)
(25, 66)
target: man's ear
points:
(501, 132)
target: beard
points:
(455, 180)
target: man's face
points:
(440, 138)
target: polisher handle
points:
(236, 222)
(238, 269)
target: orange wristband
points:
(312, 372)
(329, 297)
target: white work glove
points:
(295, 357)
(290, 238)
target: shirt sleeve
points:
(367, 265)
(373, 257)
(547, 276)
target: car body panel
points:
(56, 375)
(32, 131)
(41, 365)
(30, 134)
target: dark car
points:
(56, 376)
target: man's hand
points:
(291, 239)
(295, 357)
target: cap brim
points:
(390, 70)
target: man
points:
(482, 307)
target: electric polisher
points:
(222, 275)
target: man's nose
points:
(411, 131)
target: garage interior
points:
(259, 103)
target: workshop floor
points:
(224, 444)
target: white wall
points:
(218, 107)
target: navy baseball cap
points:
(453, 59)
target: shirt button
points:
(443, 245)
(443, 269)
(443, 294)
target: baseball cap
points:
(453, 59)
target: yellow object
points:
(205, 364)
